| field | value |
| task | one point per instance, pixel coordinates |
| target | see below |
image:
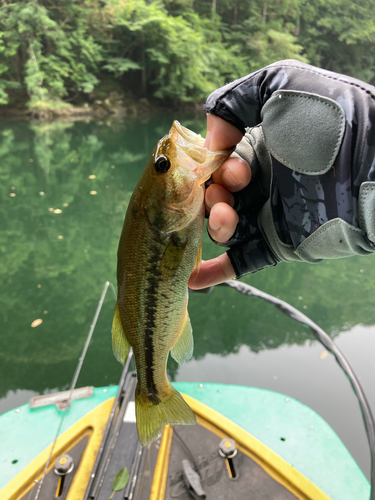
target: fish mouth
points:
(188, 135)
(203, 162)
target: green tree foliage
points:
(259, 32)
(340, 36)
(47, 50)
(181, 59)
(54, 53)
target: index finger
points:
(235, 173)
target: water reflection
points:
(64, 191)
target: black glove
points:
(312, 156)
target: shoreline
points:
(98, 110)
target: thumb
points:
(212, 272)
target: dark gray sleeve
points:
(314, 197)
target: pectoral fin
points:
(120, 343)
(198, 260)
(183, 349)
(173, 254)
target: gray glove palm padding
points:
(312, 192)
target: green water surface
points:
(58, 243)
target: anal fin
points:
(183, 349)
(120, 343)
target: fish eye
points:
(162, 165)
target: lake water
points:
(64, 192)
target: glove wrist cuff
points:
(251, 257)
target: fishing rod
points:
(330, 345)
(68, 401)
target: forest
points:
(59, 53)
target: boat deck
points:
(289, 428)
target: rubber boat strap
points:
(192, 481)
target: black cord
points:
(185, 447)
(328, 343)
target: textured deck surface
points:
(292, 430)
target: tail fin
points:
(151, 417)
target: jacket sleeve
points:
(310, 140)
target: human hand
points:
(309, 143)
(232, 176)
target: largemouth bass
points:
(159, 247)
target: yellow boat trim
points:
(159, 482)
(271, 462)
(93, 425)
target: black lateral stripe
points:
(151, 300)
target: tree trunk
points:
(235, 12)
(143, 71)
(297, 29)
(213, 10)
(264, 17)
